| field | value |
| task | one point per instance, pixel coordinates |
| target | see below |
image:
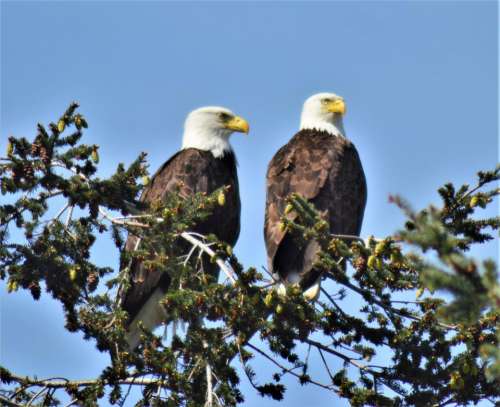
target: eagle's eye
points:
(325, 101)
(224, 116)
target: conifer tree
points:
(439, 350)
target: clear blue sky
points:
(419, 79)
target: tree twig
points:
(45, 388)
(337, 307)
(348, 237)
(55, 383)
(345, 358)
(70, 214)
(227, 269)
(121, 222)
(326, 364)
(210, 393)
(368, 296)
(9, 403)
(285, 369)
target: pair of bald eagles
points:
(319, 163)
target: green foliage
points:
(438, 349)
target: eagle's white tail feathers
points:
(281, 288)
(311, 294)
(151, 315)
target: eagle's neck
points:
(214, 140)
(334, 126)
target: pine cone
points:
(92, 281)
(44, 155)
(29, 172)
(360, 263)
(94, 209)
(34, 287)
(36, 147)
(15, 173)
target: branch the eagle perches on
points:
(417, 333)
(197, 241)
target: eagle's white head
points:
(323, 111)
(208, 128)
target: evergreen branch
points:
(325, 364)
(350, 237)
(429, 364)
(340, 355)
(123, 221)
(364, 368)
(9, 403)
(210, 392)
(44, 389)
(57, 383)
(227, 269)
(287, 370)
(368, 296)
(337, 307)
(69, 216)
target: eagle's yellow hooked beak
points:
(239, 124)
(336, 106)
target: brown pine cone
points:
(360, 263)
(36, 146)
(17, 173)
(92, 281)
(29, 173)
(34, 287)
(44, 155)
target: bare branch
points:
(60, 212)
(326, 364)
(55, 383)
(285, 369)
(210, 393)
(45, 388)
(122, 221)
(338, 354)
(70, 214)
(348, 237)
(227, 269)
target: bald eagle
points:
(322, 165)
(205, 163)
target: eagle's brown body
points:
(327, 171)
(189, 171)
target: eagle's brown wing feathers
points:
(188, 172)
(327, 171)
